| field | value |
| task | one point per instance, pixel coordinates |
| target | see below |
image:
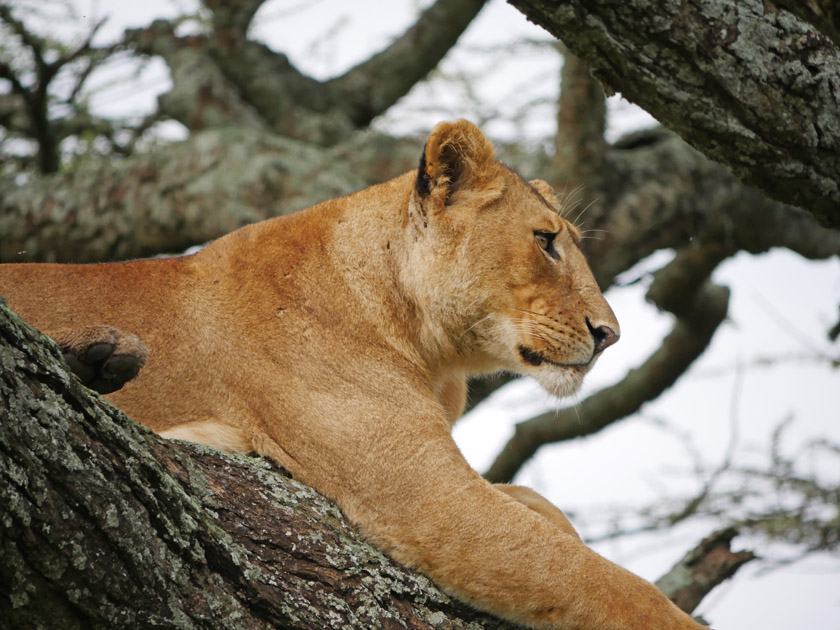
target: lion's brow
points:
(531, 186)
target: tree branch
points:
(746, 82)
(185, 194)
(373, 86)
(35, 91)
(481, 387)
(85, 48)
(661, 194)
(225, 77)
(580, 148)
(29, 39)
(824, 14)
(115, 527)
(232, 19)
(202, 96)
(703, 568)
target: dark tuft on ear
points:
(422, 183)
(458, 162)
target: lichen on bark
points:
(747, 82)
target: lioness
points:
(338, 341)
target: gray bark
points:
(699, 571)
(747, 82)
(184, 194)
(372, 87)
(165, 201)
(225, 78)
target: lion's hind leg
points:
(103, 357)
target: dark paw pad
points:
(116, 371)
(98, 352)
(102, 357)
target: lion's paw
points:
(103, 357)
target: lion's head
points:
(499, 269)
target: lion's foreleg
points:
(539, 504)
(415, 496)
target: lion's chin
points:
(560, 381)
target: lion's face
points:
(546, 309)
(509, 276)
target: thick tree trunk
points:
(747, 82)
(656, 193)
(105, 525)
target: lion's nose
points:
(604, 336)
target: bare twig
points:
(35, 92)
(834, 332)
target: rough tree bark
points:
(749, 83)
(105, 525)
(165, 201)
(223, 77)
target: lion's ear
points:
(457, 156)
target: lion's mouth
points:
(536, 358)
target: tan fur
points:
(338, 340)
(538, 503)
(77, 340)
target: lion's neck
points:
(375, 248)
(358, 249)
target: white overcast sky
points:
(781, 305)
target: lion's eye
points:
(546, 242)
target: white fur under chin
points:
(559, 382)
